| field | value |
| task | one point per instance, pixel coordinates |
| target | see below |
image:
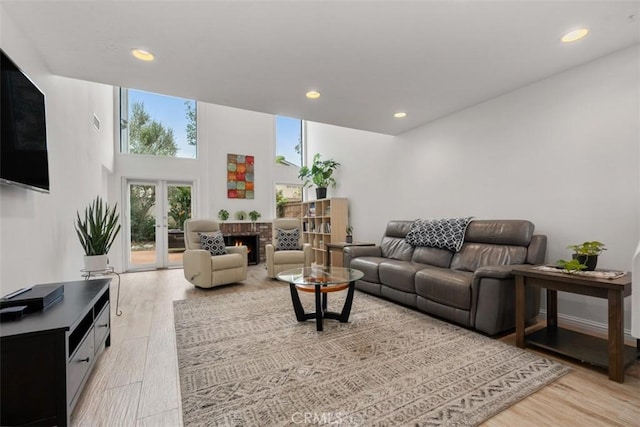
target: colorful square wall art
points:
(239, 176)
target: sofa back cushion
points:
(393, 244)
(432, 256)
(514, 232)
(494, 242)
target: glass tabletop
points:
(312, 276)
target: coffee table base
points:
(321, 312)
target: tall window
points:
(289, 140)
(158, 125)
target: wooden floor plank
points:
(152, 395)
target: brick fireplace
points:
(260, 231)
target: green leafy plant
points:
(281, 201)
(223, 215)
(571, 266)
(320, 173)
(98, 228)
(588, 248)
(241, 215)
(254, 215)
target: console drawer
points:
(79, 364)
(102, 326)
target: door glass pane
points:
(142, 201)
(179, 210)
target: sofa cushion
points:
(399, 275)
(514, 232)
(476, 255)
(432, 256)
(444, 233)
(214, 243)
(369, 266)
(445, 286)
(396, 248)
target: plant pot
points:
(349, 239)
(589, 260)
(321, 193)
(95, 262)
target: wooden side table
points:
(612, 353)
(340, 246)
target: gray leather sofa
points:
(473, 287)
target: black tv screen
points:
(23, 143)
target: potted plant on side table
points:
(319, 174)
(587, 253)
(349, 236)
(97, 230)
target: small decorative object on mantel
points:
(349, 237)
(254, 215)
(319, 174)
(97, 231)
(241, 215)
(223, 215)
(587, 253)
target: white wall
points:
(221, 131)
(38, 243)
(562, 152)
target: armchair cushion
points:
(213, 243)
(288, 240)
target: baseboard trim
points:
(597, 328)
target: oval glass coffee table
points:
(320, 281)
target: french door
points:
(156, 211)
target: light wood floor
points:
(135, 381)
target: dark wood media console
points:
(47, 356)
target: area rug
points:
(244, 360)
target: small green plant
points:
(254, 215)
(241, 215)
(223, 215)
(588, 248)
(572, 266)
(99, 227)
(319, 174)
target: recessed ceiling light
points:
(574, 35)
(142, 54)
(313, 94)
(400, 114)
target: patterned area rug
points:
(244, 360)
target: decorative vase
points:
(589, 260)
(95, 262)
(321, 193)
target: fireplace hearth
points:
(250, 240)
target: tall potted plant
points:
(319, 174)
(97, 229)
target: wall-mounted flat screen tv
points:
(23, 143)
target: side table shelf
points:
(87, 274)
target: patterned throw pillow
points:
(445, 233)
(213, 243)
(288, 240)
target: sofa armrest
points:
(494, 271)
(351, 252)
(197, 267)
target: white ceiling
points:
(369, 59)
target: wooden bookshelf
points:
(324, 221)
